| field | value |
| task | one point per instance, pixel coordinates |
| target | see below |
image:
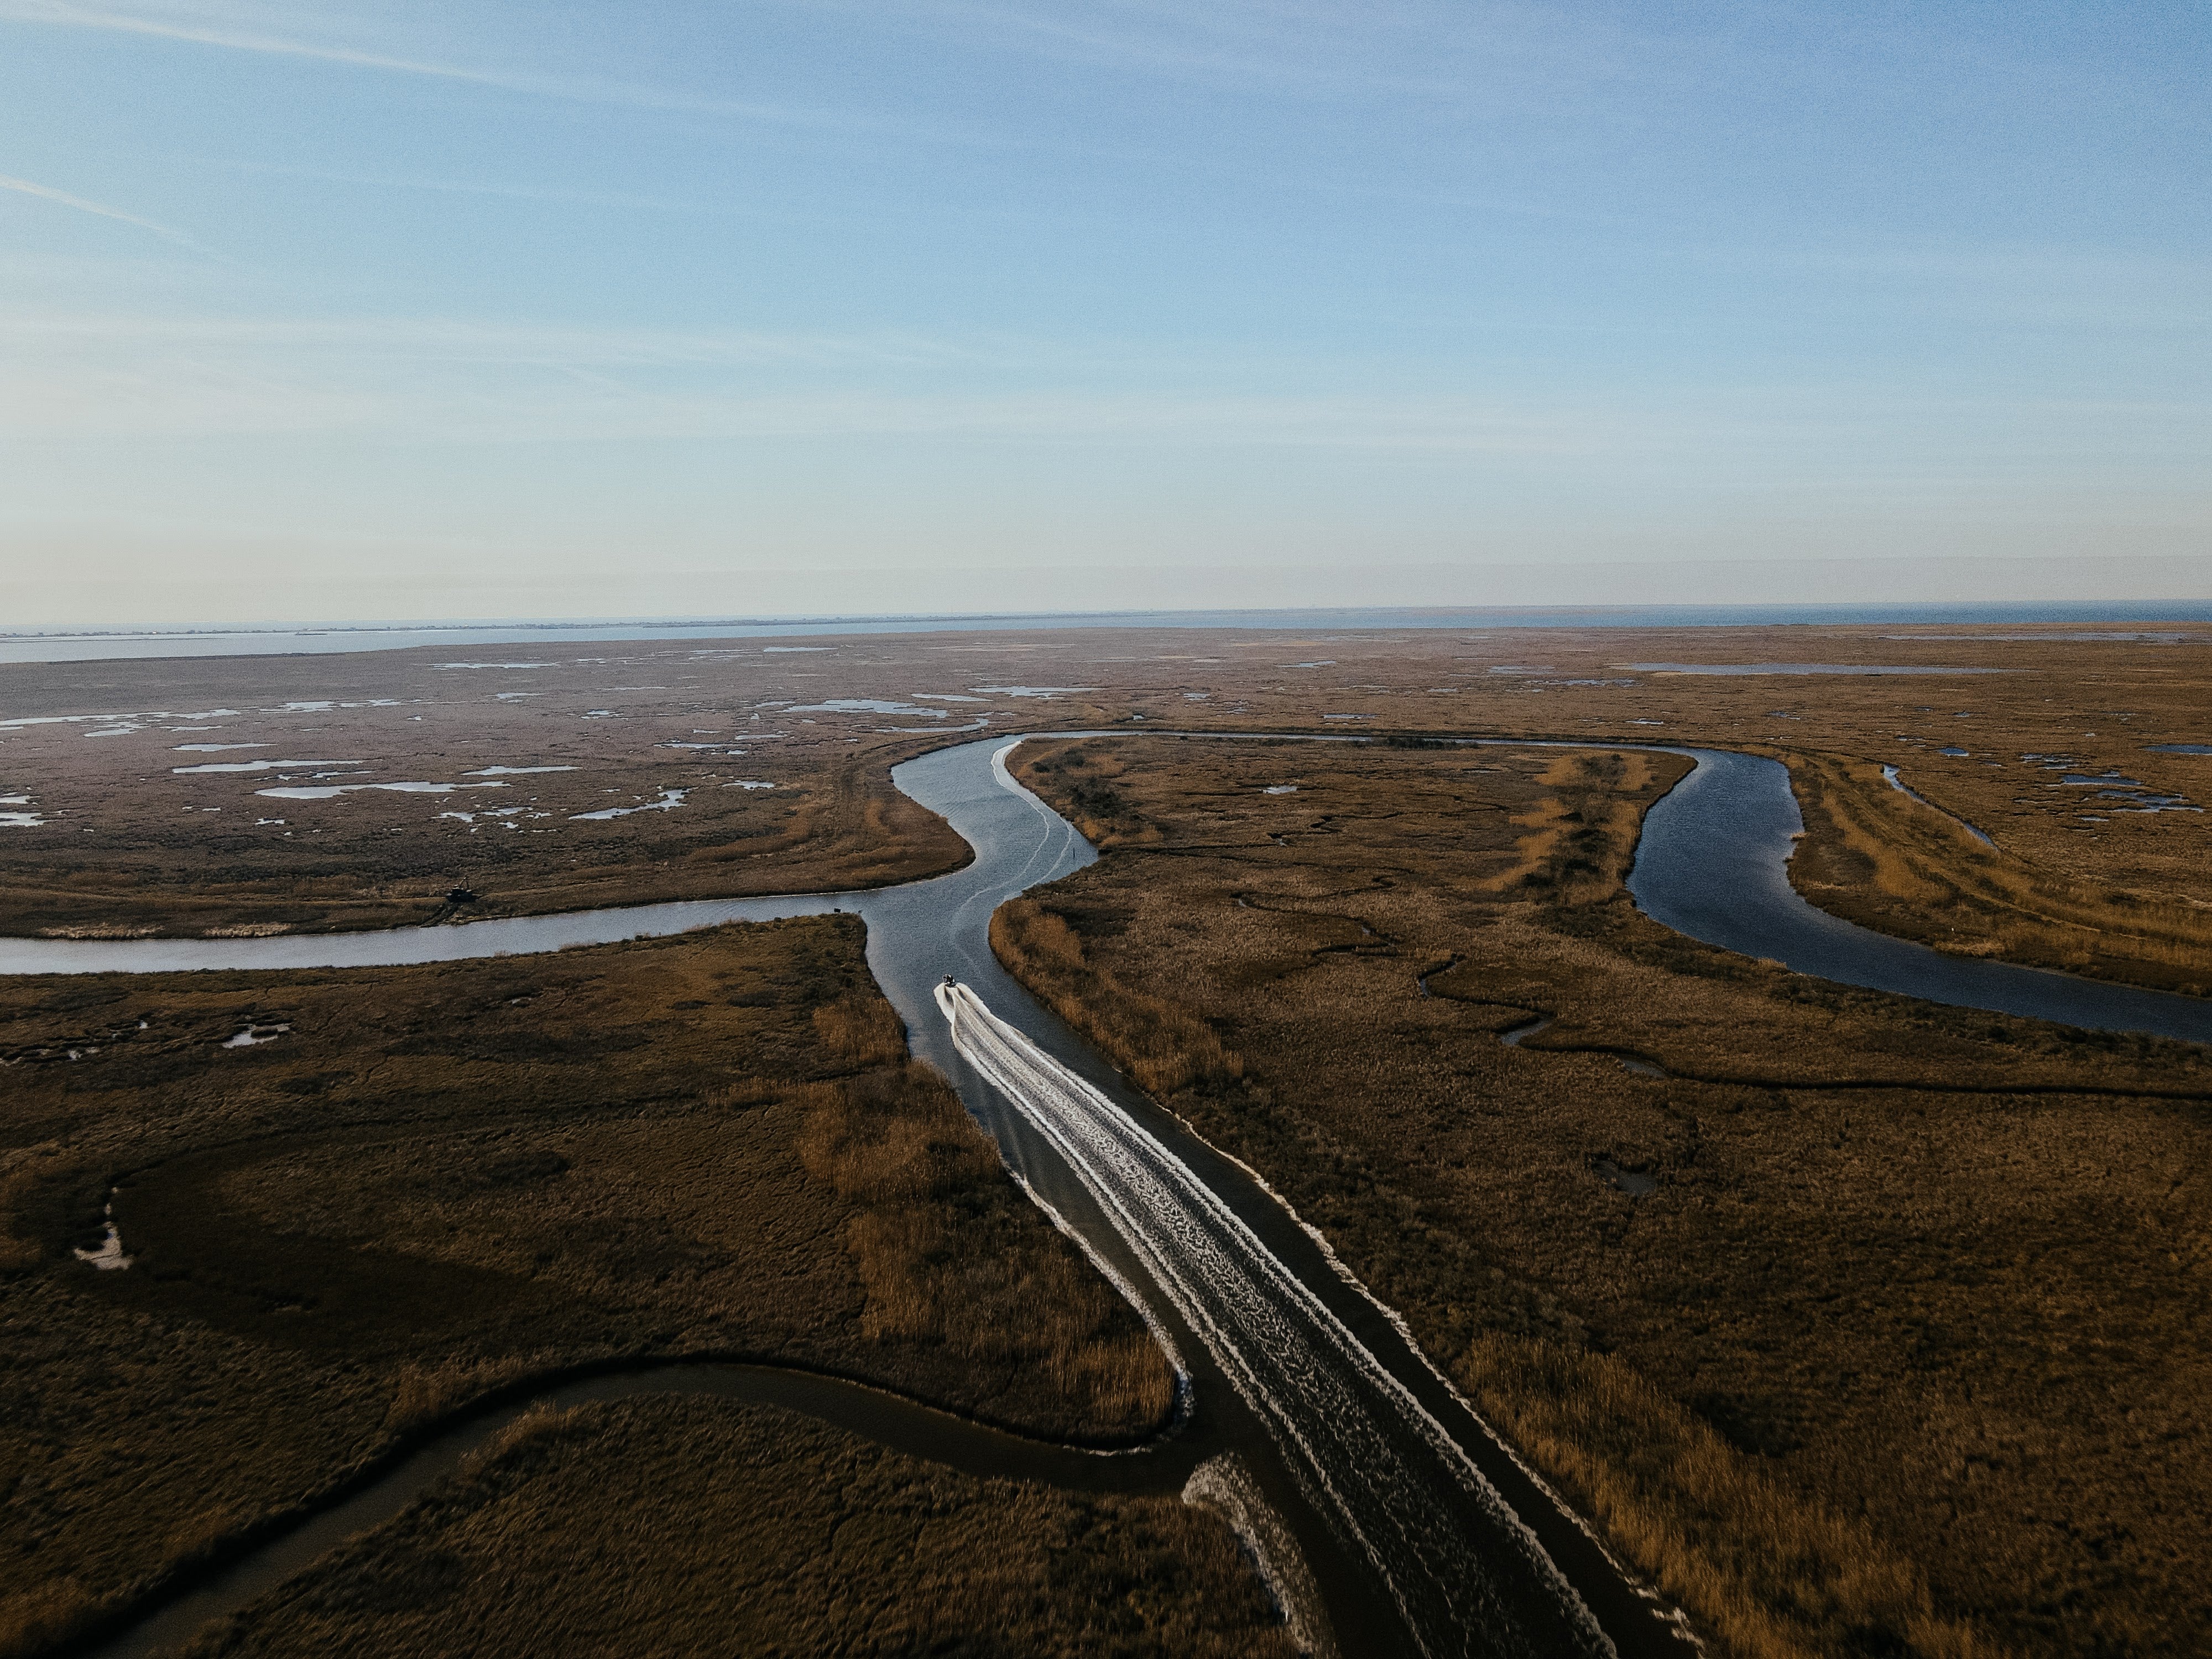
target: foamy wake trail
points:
(1469, 1578)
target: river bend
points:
(1713, 862)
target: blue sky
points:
(403, 309)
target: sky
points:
(392, 310)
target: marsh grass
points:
(924, 1178)
(1895, 1361)
(446, 1180)
(20, 1169)
(1875, 855)
(770, 1533)
(1165, 1048)
(538, 1421)
(1768, 1573)
(44, 1615)
(860, 1032)
(424, 1393)
(1571, 850)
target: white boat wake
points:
(1371, 1458)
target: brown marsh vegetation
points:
(703, 780)
(427, 1185)
(771, 1536)
(1876, 856)
(1891, 1352)
(1861, 1326)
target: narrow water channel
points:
(1714, 862)
(1422, 1532)
(1161, 1470)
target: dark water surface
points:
(1712, 864)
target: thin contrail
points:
(65, 14)
(48, 193)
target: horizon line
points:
(2120, 608)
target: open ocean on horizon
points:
(217, 640)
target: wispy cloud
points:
(208, 26)
(121, 376)
(1430, 52)
(63, 198)
(197, 26)
(428, 385)
(552, 195)
(465, 341)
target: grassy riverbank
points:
(1875, 855)
(419, 1185)
(1896, 1351)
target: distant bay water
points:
(217, 640)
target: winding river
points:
(1417, 1529)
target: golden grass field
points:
(1899, 1352)
(1876, 857)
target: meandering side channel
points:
(1714, 862)
(1164, 1468)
